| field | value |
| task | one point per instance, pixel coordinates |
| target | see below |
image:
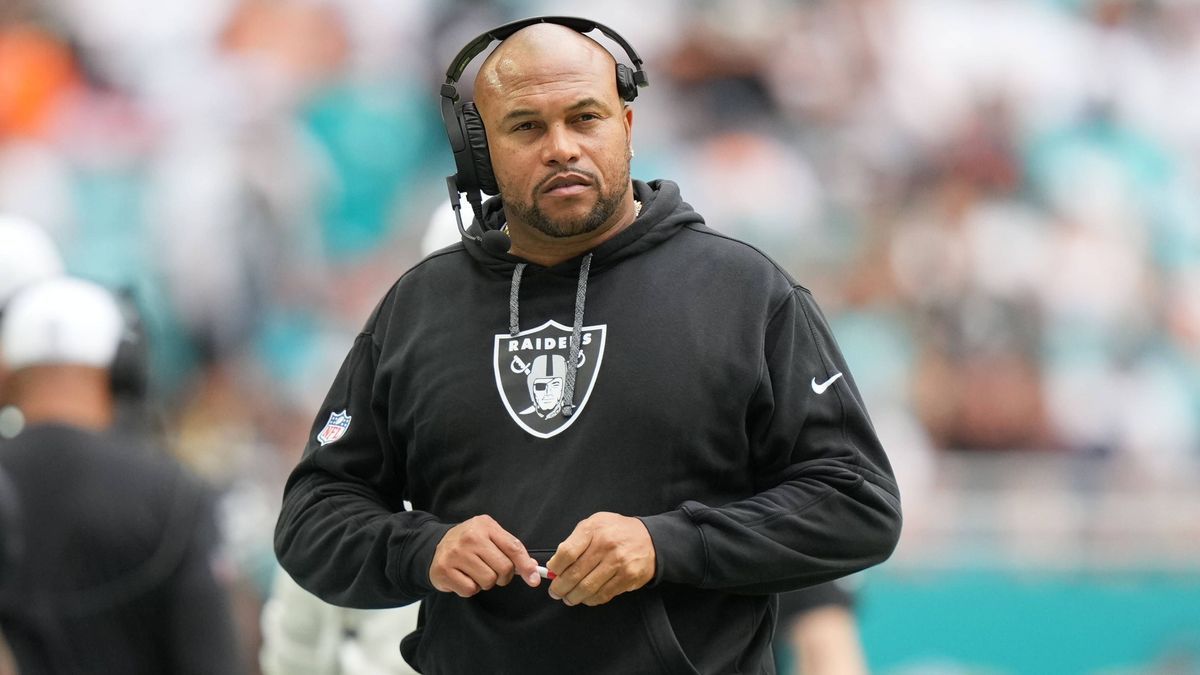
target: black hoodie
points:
(710, 400)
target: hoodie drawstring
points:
(576, 333)
(514, 326)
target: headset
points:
(464, 127)
(129, 373)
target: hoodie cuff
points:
(413, 564)
(679, 551)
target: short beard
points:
(606, 205)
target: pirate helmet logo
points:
(546, 378)
(532, 375)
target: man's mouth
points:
(566, 185)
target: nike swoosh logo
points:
(820, 388)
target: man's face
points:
(559, 139)
(547, 392)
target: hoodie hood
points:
(664, 214)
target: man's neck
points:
(77, 396)
(542, 249)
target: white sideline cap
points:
(27, 254)
(61, 321)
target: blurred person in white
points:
(116, 568)
(304, 635)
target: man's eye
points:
(588, 117)
(523, 126)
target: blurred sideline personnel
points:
(818, 632)
(115, 573)
(674, 454)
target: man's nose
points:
(560, 147)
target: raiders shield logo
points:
(531, 374)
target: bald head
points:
(543, 50)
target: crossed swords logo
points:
(519, 367)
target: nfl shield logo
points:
(531, 373)
(335, 428)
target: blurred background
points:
(996, 202)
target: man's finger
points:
(590, 585)
(611, 589)
(460, 584)
(523, 564)
(499, 563)
(570, 549)
(566, 580)
(479, 571)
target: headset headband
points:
(501, 33)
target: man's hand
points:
(607, 554)
(478, 555)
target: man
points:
(711, 451)
(115, 573)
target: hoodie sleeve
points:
(343, 533)
(827, 503)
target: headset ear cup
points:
(626, 86)
(480, 155)
(130, 371)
